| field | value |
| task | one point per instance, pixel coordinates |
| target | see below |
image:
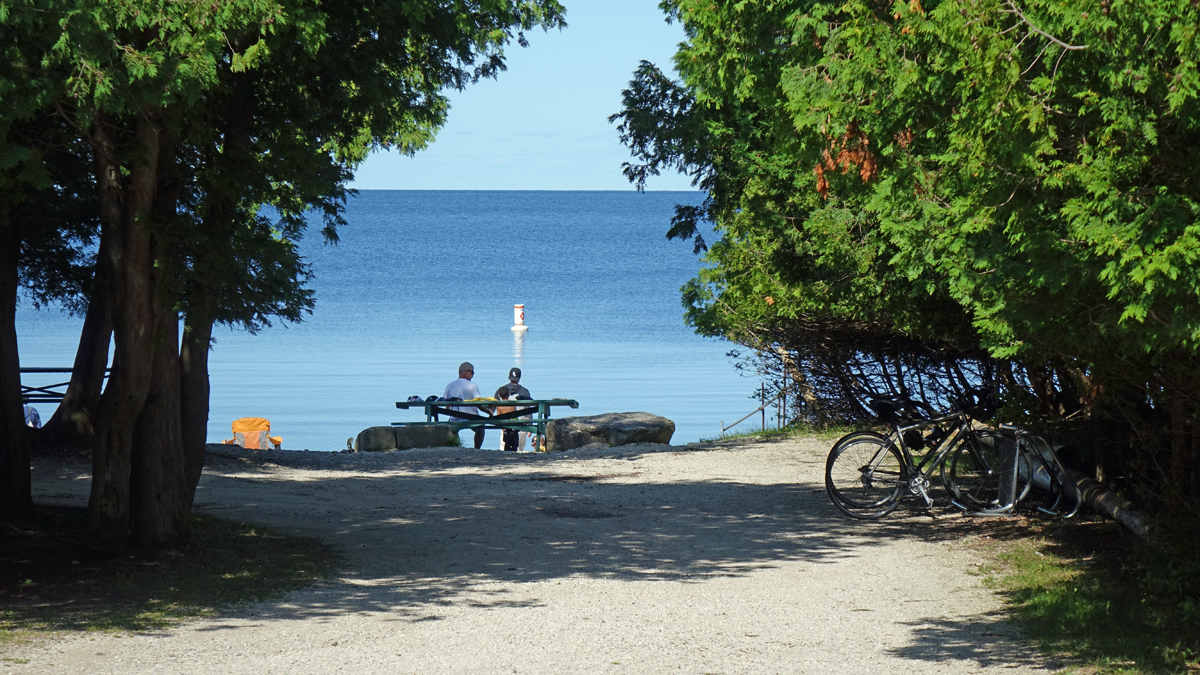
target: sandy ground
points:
(724, 558)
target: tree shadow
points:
(472, 529)
(476, 520)
(987, 640)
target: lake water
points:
(423, 280)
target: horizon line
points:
(507, 190)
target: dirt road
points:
(725, 558)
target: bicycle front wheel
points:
(980, 472)
(864, 476)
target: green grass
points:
(50, 583)
(823, 433)
(1078, 589)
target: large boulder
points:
(383, 439)
(610, 429)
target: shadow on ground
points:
(445, 523)
(429, 533)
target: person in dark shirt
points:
(509, 435)
(516, 391)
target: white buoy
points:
(519, 318)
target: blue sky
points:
(543, 125)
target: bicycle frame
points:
(919, 483)
(913, 475)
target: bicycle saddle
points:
(892, 409)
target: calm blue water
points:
(423, 280)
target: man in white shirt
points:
(463, 388)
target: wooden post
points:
(783, 417)
(762, 404)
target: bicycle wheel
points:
(979, 472)
(864, 475)
(1059, 496)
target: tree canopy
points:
(1004, 185)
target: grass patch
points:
(823, 433)
(1077, 588)
(50, 582)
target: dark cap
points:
(514, 374)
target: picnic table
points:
(538, 410)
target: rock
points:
(383, 439)
(609, 429)
(425, 436)
(376, 439)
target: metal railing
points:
(47, 393)
(762, 408)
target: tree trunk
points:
(193, 393)
(16, 495)
(74, 420)
(159, 499)
(124, 207)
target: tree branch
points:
(1013, 9)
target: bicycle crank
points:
(919, 485)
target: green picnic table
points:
(537, 409)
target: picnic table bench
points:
(537, 409)
(47, 393)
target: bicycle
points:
(987, 472)
(867, 473)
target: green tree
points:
(197, 117)
(42, 223)
(1008, 178)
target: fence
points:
(762, 408)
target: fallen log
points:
(1102, 500)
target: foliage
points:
(958, 180)
(43, 170)
(266, 103)
(288, 132)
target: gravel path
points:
(722, 558)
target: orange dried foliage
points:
(851, 151)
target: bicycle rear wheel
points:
(979, 472)
(1059, 496)
(864, 476)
